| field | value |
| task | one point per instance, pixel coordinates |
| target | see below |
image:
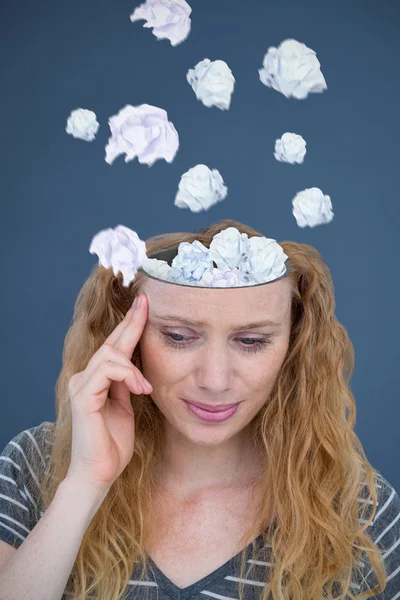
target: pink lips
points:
(213, 408)
(215, 416)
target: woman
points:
(173, 498)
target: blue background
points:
(57, 192)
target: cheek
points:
(159, 362)
(266, 369)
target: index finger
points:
(126, 335)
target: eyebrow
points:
(190, 323)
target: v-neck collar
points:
(177, 593)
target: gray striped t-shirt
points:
(28, 452)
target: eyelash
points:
(259, 346)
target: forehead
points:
(232, 305)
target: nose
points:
(215, 369)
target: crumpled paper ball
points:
(292, 69)
(228, 248)
(155, 267)
(82, 124)
(212, 82)
(264, 261)
(143, 131)
(239, 261)
(228, 279)
(311, 208)
(291, 148)
(191, 265)
(200, 188)
(169, 18)
(120, 249)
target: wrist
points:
(82, 493)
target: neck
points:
(195, 468)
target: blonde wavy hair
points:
(316, 463)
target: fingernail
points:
(135, 304)
(139, 300)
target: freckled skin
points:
(213, 368)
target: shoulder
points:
(33, 435)
(384, 531)
(387, 517)
(28, 449)
(386, 522)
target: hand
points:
(103, 422)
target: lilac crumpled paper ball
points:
(120, 249)
(170, 19)
(143, 131)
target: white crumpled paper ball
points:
(157, 268)
(120, 249)
(265, 260)
(82, 124)
(311, 208)
(200, 188)
(170, 19)
(291, 148)
(228, 248)
(292, 69)
(192, 265)
(143, 131)
(212, 82)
